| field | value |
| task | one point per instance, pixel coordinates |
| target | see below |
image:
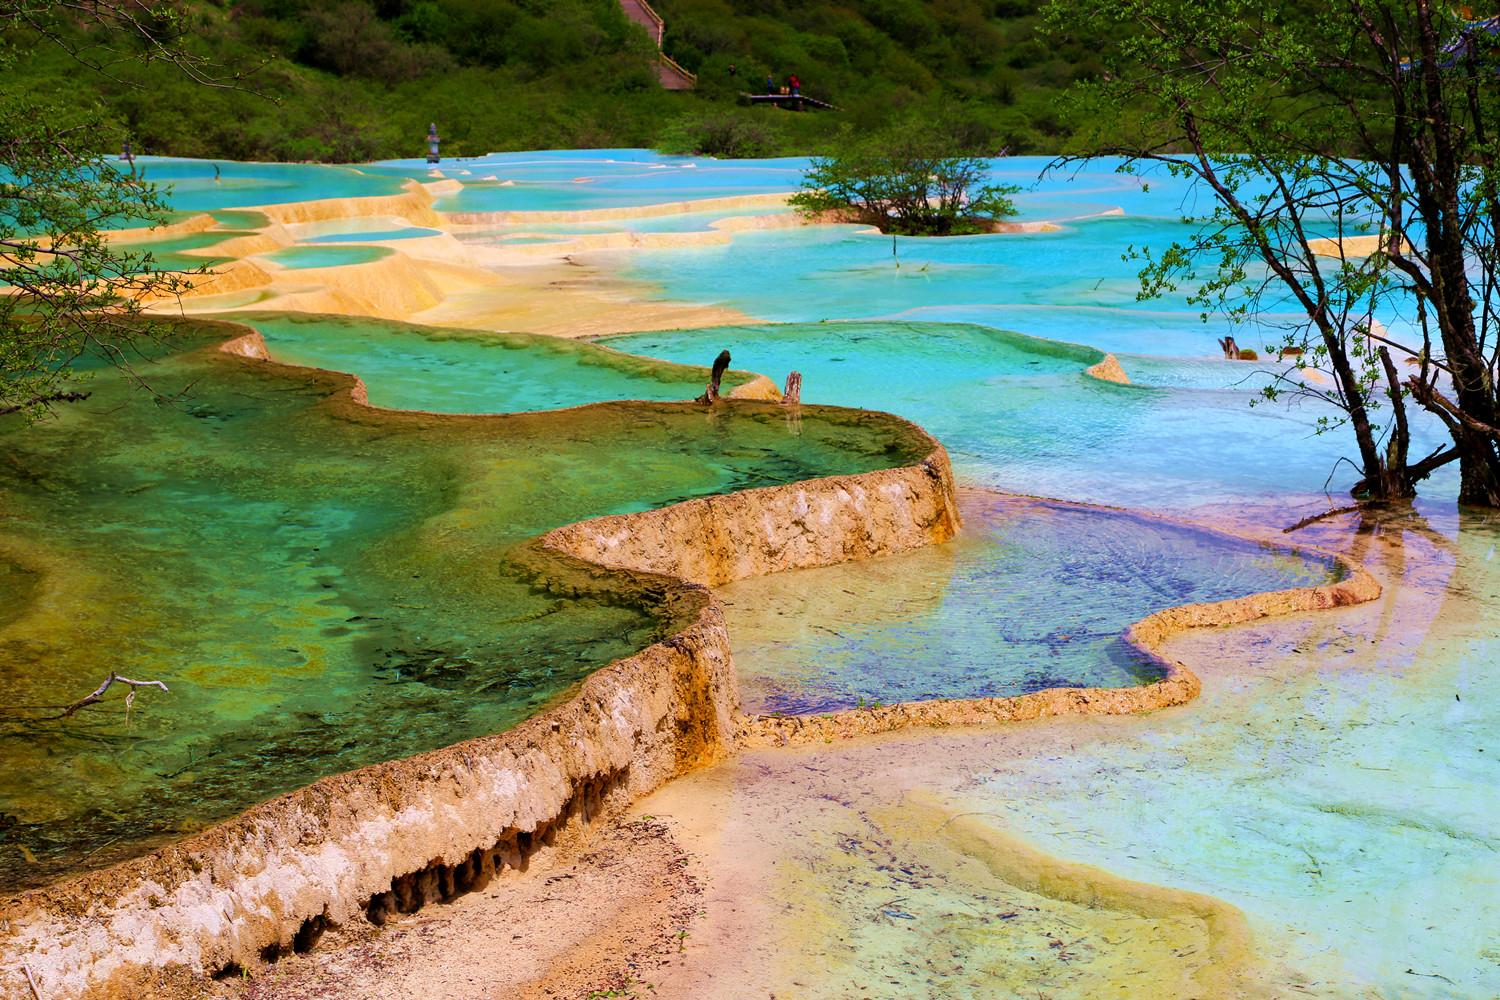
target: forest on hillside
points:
(355, 80)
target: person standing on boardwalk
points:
(770, 84)
(796, 84)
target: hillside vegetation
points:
(355, 80)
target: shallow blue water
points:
(373, 235)
(1349, 806)
(1025, 423)
(683, 222)
(1354, 805)
(458, 371)
(1067, 285)
(1031, 595)
(598, 179)
(203, 185)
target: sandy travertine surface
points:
(440, 281)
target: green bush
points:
(911, 178)
(728, 133)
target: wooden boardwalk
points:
(670, 75)
(792, 103)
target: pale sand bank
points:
(551, 296)
(1351, 246)
(568, 299)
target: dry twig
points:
(34, 990)
(98, 694)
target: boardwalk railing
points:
(673, 76)
(641, 13)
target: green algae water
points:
(1339, 786)
(411, 367)
(321, 587)
(1031, 595)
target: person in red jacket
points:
(796, 84)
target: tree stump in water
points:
(711, 394)
(1233, 352)
(792, 400)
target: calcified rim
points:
(616, 214)
(416, 200)
(1225, 968)
(1177, 686)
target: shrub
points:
(910, 178)
(719, 133)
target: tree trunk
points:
(1478, 471)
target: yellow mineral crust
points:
(242, 246)
(415, 205)
(819, 522)
(1109, 370)
(392, 287)
(759, 387)
(220, 279)
(1221, 969)
(616, 214)
(388, 838)
(1002, 914)
(719, 233)
(1351, 246)
(440, 248)
(193, 224)
(392, 836)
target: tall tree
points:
(1349, 148)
